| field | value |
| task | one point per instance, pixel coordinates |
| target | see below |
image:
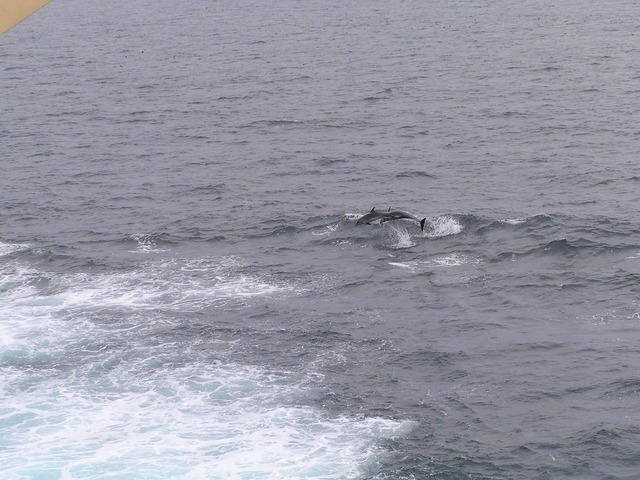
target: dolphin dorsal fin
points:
(372, 210)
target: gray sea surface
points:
(184, 292)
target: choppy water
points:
(184, 293)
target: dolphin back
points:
(372, 216)
(369, 217)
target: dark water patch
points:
(411, 131)
(231, 98)
(613, 439)
(603, 232)
(200, 234)
(192, 136)
(276, 123)
(326, 125)
(541, 346)
(561, 246)
(428, 357)
(375, 98)
(312, 173)
(49, 254)
(620, 279)
(61, 258)
(556, 248)
(331, 161)
(414, 174)
(623, 387)
(381, 95)
(211, 189)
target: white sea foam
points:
(411, 266)
(519, 221)
(9, 248)
(86, 400)
(328, 230)
(174, 285)
(146, 244)
(402, 237)
(447, 260)
(450, 260)
(31, 316)
(23, 325)
(442, 227)
(218, 421)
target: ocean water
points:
(184, 292)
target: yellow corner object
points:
(12, 12)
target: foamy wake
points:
(94, 400)
(186, 285)
(35, 306)
(201, 421)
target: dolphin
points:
(382, 217)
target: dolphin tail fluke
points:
(422, 223)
